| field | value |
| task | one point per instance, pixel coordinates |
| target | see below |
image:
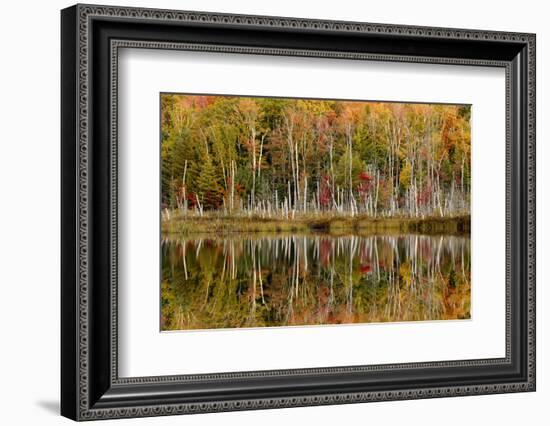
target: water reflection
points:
(283, 280)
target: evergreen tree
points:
(207, 184)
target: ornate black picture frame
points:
(90, 38)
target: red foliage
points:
(200, 102)
(325, 192)
(365, 269)
(331, 117)
(365, 177)
(212, 200)
(324, 251)
(365, 185)
(425, 196)
(191, 200)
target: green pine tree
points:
(207, 184)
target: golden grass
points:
(214, 223)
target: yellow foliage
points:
(406, 273)
(405, 175)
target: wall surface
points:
(29, 212)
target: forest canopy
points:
(277, 156)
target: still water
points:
(287, 280)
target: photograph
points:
(279, 212)
(277, 207)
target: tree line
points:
(287, 157)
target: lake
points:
(254, 280)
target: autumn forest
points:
(280, 180)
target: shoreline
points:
(188, 225)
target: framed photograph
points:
(263, 212)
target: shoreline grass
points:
(332, 224)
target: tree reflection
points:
(285, 280)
